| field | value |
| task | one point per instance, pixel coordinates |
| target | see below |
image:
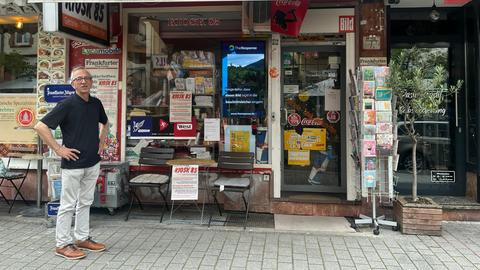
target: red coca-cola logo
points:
(294, 119)
(333, 117)
(312, 121)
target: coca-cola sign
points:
(312, 121)
(294, 119)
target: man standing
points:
(84, 126)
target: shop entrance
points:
(313, 86)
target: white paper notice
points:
(184, 182)
(180, 106)
(332, 100)
(212, 129)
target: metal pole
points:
(39, 172)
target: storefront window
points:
(175, 82)
(18, 58)
(435, 150)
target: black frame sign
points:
(443, 176)
(88, 21)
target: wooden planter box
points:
(415, 218)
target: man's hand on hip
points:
(67, 153)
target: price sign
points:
(185, 182)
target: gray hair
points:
(77, 69)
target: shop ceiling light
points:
(19, 24)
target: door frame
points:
(320, 47)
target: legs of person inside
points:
(78, 187)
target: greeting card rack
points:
(373, 136)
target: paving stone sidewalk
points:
(29, 244)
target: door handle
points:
(283, 116)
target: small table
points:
(206, 163)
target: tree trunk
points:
(414, 169)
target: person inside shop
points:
(84, 126)
(320, 159)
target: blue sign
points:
(244, 82)
(52, 208)
(54, 93)
(140, 126)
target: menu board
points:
(185, 182)
(244, 83)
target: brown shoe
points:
(70, 252)
(91, 245)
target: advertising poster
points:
(300, 157)
(244, 84)
(291, 140)
(17, 118)
(287, 16)
(185, 182)
(51, 68)
(314, 139)
(105, 66)
(105, 88)
(239, 139)
(180, 106)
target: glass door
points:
(312, 91)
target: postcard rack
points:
(374, 139)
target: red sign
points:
(346, 24)
(333, 117)
(294, 119)
(185, 129)
(25, 117)
(288, 16)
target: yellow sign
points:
(303, 96)
(301, 157)
(240, 141)
(17, 118)
(314, 139)
(291, 140)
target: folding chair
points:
(11, 178)
(235, 170)
(151, 156)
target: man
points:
(84, 126)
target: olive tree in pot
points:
(420, 84)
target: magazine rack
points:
(374, 139)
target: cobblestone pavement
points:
(29, 244)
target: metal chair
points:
(235, 171)
(151, 156)
(11, 178)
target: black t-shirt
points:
(78, 120)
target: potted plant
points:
(420, 84)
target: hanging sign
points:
(79, 21)
(184, 182)
(288, 16)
